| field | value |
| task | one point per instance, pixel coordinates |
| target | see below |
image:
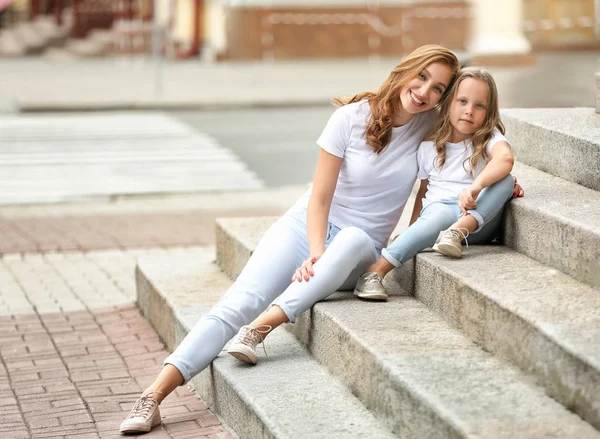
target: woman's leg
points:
(340, 266)
(347, 253)
(265, 276)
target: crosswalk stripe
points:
(66, 156)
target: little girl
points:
(464, 169)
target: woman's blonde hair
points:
(386, 101)
(442, 129)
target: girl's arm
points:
(419, 201)
(496, 169)
(324, 183)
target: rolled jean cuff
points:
(286, 309)
(180, 367)
(478, 218)
(388, 257)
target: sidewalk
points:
(75, 351)
(559, 79)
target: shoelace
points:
(458, 233)
(142, 406)
(373, 276)
(252, 336)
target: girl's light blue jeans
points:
(440, 215)
(266, 279)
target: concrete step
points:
(542, 320)
(425, 378)
(561, 141)
(556, 223)
(288, 395)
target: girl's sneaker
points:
(370, 287)
(449, 242)
(244, 344)
(144, 415)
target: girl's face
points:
(424, 91)
(468, 108)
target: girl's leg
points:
(482, 224)
(420, 235)
(490, 204)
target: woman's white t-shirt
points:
(372, 189)
(447, 183)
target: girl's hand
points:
(305, 271)
(518, 192)
(467, 198)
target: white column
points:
(497, 28)
(215, 27)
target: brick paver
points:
(75, 351)
(113, 230)
(77, 374)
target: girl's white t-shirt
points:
(372, 189)
(447, 183)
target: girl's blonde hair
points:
(442, 129)
(386, 101)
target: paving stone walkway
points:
(113, 230)
(75, 351)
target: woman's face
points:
(425, 90)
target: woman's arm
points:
(324, 183)
(496, 169)
(419, 201)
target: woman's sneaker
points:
(370, 287)
(243, 346)
(449, 242)
(144, 415)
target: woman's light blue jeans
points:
(440, 215)
(266, 279)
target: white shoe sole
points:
(447, 250)
(242, 353)
(140, 428)
(380, 297)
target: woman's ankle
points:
(381, 267)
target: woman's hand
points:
(518, 191)
(468, 197)
(305, 271)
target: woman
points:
(365, 172)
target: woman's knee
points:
(353, 239)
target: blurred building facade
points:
(297, 29)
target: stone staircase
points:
(503, 343)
